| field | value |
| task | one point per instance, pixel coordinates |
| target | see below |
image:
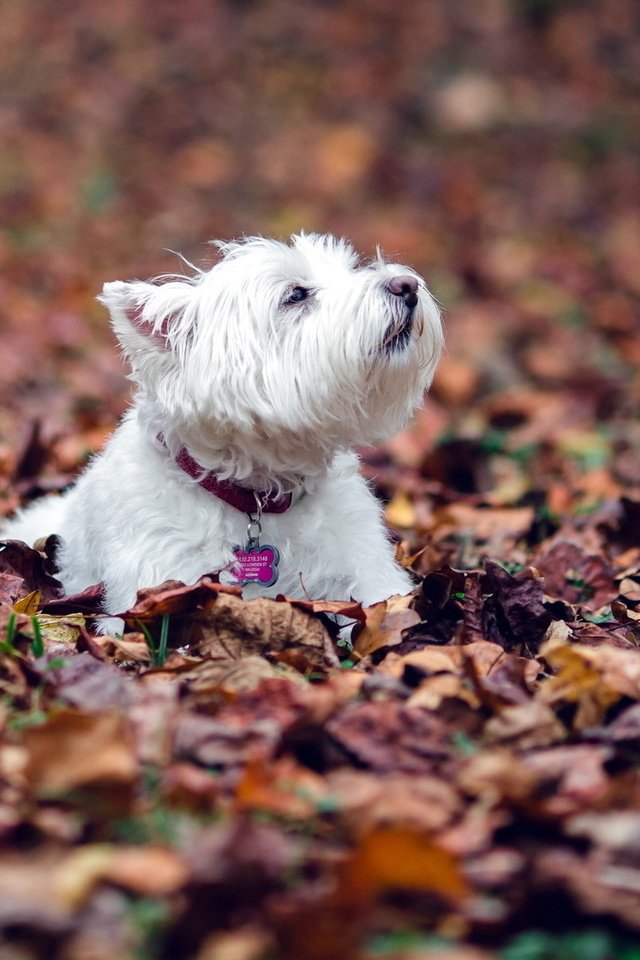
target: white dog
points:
(254, 381)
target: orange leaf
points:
(397, 857)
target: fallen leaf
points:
(227, 678)
(385, 622)
(11, 587)
(387, 736)
(231, 628)
(247, 943)
(366, 801)
(147, 871)
(402, 859)
(86, 683)
(576, 574)
(27, 896)
(175, 598)
(73, 750)
(527, 725)
(283, 788)
(593, 677)
(28, 604)
(400, 512)
(19, 560)
(65, 629)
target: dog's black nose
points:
(405, 287)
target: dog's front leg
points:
(366, 553)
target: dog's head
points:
(279, 352)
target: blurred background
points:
(492, 144)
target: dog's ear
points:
(146, 315)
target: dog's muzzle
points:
(398, 333)
(405, 287)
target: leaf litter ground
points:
(231, 780)
(462, 773)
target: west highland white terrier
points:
(254, 381)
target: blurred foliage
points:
(492, 144)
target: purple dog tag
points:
(256, 565)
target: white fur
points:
(270, 394)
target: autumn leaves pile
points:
(469, 760)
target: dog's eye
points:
(297, 295)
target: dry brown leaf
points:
(366, 801)
(27, 895)
(526, 725)
(385, 623)
(433, 690)
(189, 787)
(147, 870)
(494, 526)
(593, 677)
(485, 656)
(576, 573)
(10, 588)
(73, 750)
(232, 628)
(573, 776)
(174, 598)
(228, 678)
(129, 647)
(497, 773)
(248, 943)
(350, 609)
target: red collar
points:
(242, 498)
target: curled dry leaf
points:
(593, 677)
(441, 672)
(515, 612)
(19, 560)
(384, 624)
(350, 610)
(218, 624)
(174, 598)
(231, 628)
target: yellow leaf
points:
(400, 511)
(65, 629)
(29, 604)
